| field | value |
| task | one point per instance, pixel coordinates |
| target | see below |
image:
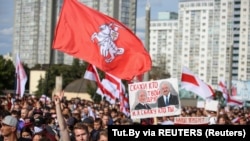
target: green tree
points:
(7, 74)
(69, 73)
(158, 73)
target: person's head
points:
(89, 122)
(223, 120)
(85, 110)
(76, 113)
(26, 133)
(105, 119)
(165, 87)
(101, 112)
(98, 124)
(24, 113)
(114, 113)
(243, 121)
(37, 137)
(117, 121)
(142, 96)
(9, 126)
(106, 110)
(103, 135)
(81, 132)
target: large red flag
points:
(100, 40)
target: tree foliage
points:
(8, 76)
(69, 73)
(158, 73)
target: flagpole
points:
(230, 70)
(146, 75)
(51, 57)
(15, 85)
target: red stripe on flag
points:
(189, 78)
(211, 90)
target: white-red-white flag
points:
(21, 77)
(115, 89)
(231, 100)
(111, 88)
(192, 83)
(92, 74)
(107, 90)
(223, 88)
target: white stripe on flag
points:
(192, 83)
(21, 77)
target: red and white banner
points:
(192, 83)
(110, 87)
(21, 77)
(231, 100)
(109, 90)
(92, 74)
(191, 120)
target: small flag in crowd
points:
(110, 87)
(101, 41)
(192, 83)
(21, 77)
(231, 100)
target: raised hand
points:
(58, 97)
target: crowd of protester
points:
(31, 119)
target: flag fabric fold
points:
(105, 42)
(110, 87)
(92, 75)
(192, 83)
(21, 77)
(231, 100)
(223, 88)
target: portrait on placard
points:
(155, 98)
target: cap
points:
(10, 120)
(88, 121)
(71, 121)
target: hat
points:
(88, 121)
(71, 121)
(10, 120)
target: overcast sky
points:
(7, 17)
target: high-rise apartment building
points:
(164, 43)
(33, 30)
(213, 40)
(123, 10)
(35, 21)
